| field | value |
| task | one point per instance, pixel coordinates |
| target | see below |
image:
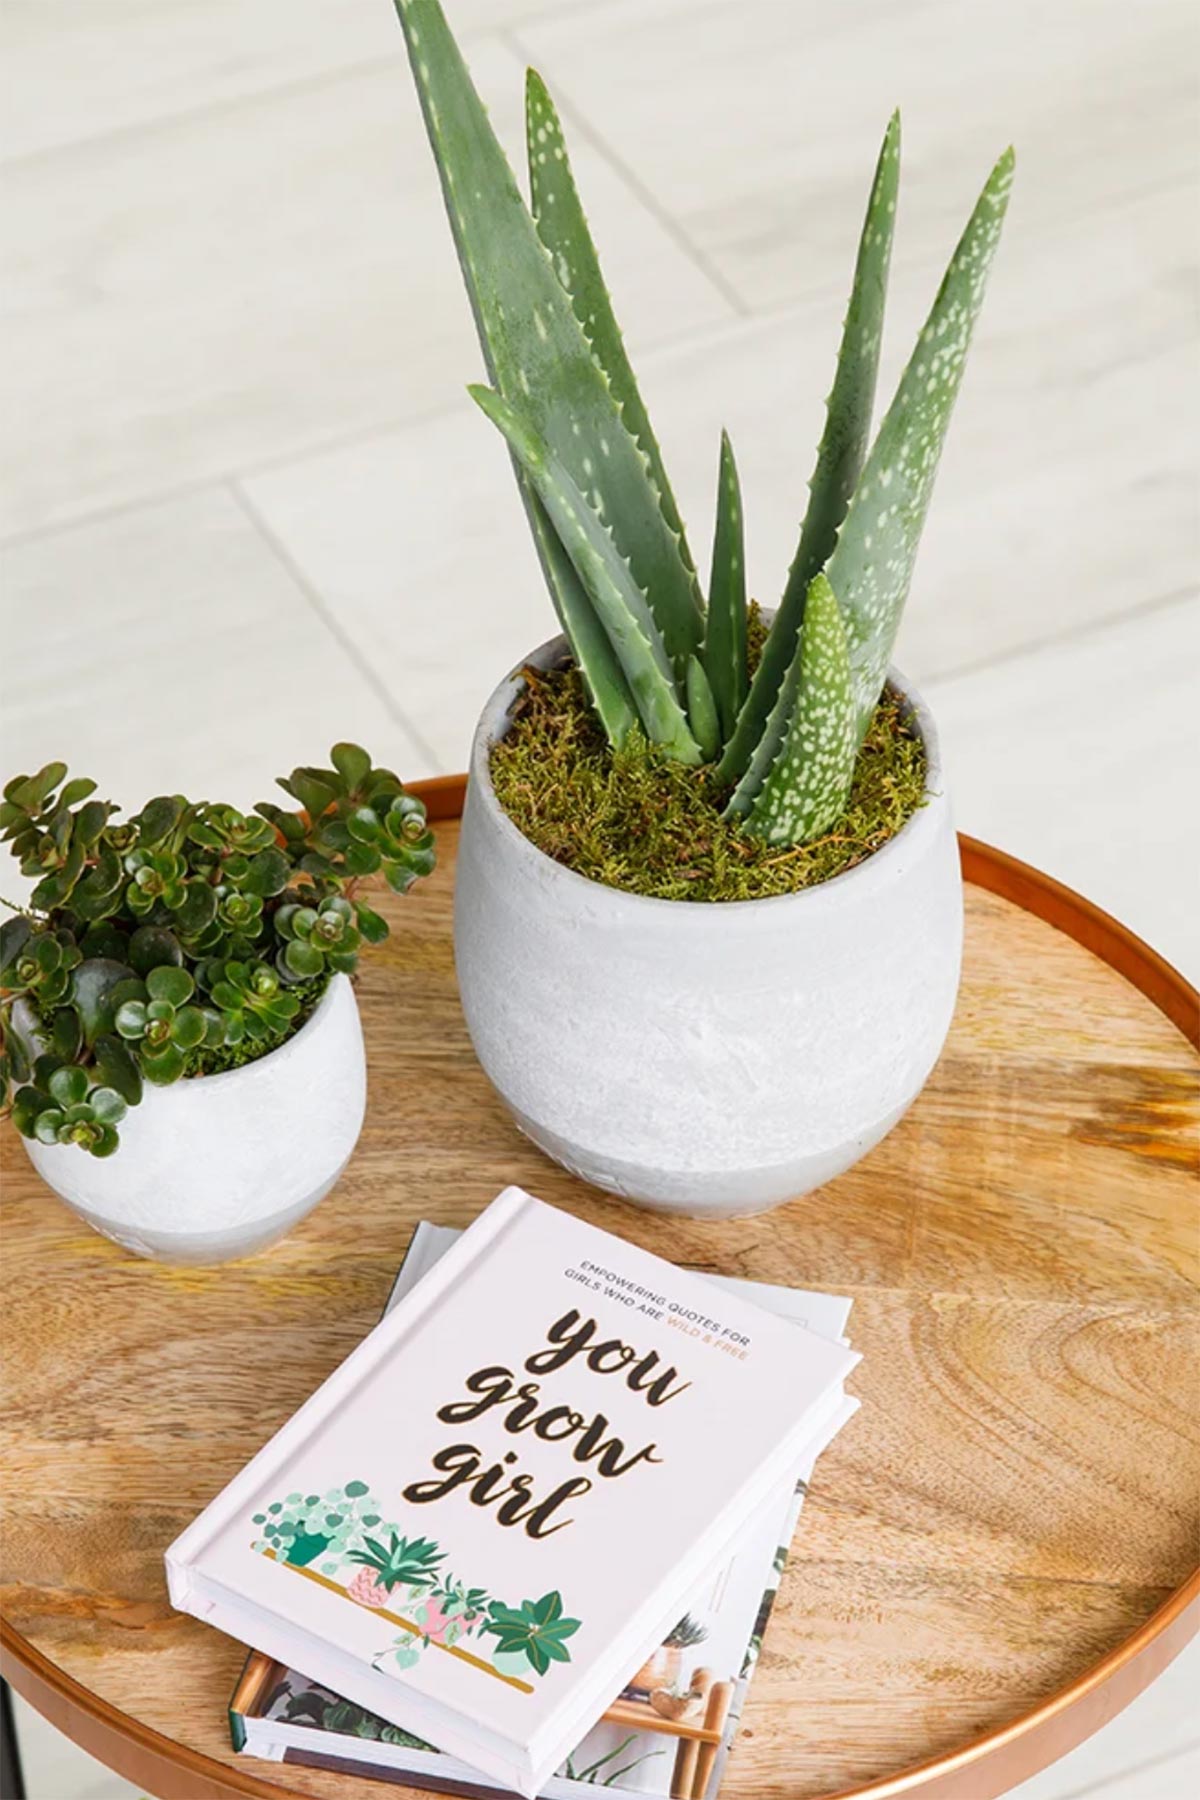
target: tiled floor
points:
(247, 508)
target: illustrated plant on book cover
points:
(535, 1630)
(320, 1529)
(401, 1562)
(341, 1540)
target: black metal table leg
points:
(12, 1783)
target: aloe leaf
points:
(770, 742)
(807, 786)
(841, 452)
(725, 631)
(594, 656)
(702, 710)
(563, 228)
(536, 354)
(607, 578)
(871, 567)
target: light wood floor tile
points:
(166, 649)
(250, 283)
(418, 543)
(1063, 500)
(755, 122)
(81, 68)
(1082, 759)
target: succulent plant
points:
(318, 937)
(187, 939)
(654, 655)
(401, 1562)
(158, 1018)
(253, 1001)
(71, 1111)
(686, 1634)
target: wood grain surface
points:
(1017, 1496)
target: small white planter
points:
(217, 1167)
(705, 1058)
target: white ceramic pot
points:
(705, 1058)
(217, 1167)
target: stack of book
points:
(536, 1520)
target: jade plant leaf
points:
(168, 983)
(351, 762)
(14, 935)
(92, 985)
(158, 819)
(68, 1086)
(117, 1069)
(151, 946)
(30, 791)
(98, 893)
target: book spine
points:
(238, 1496)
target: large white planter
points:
(705, 1058)
(217, 1167)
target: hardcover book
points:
(559, 1433)
(669, 1732)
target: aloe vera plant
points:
(654, 654)
(401, 1562)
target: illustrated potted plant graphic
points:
(306, 1530)
(531, 1636)
(451, 1611)
(399, 1569)
(707, 939)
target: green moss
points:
(636, 819)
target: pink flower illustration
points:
(367, 1590)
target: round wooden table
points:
(997, 1553)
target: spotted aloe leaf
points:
(840, 454)
(725, 633)
(609, 582)
(771, 741)
(871, 566)
(536, 353)
(808, 784)
(702, 713)
(563, 228)
(594, 656)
